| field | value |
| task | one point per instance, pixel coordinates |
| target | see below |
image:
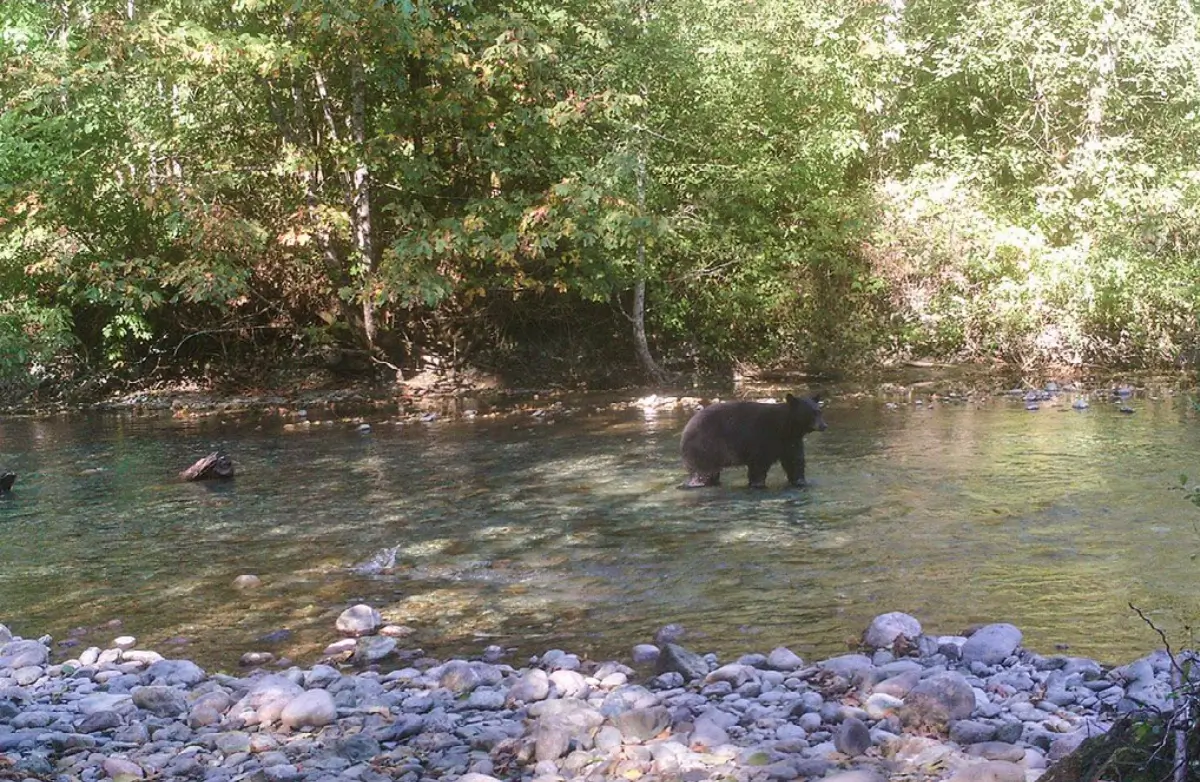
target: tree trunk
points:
(361, 200)
(645, 358)
(638, 316)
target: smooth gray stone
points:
(676, 659)
(967, 732)
(99, 721)
(852, 737)
(991, 644)
(161, 701)
(358, 748)
(642, 724)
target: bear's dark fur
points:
(756, 434)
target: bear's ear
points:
(791, 400)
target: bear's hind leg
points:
(758, 475)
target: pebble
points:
(977, 709)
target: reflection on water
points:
(571, 533)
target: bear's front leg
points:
(793, 465)
(699, 480)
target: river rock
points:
(852, 737)
(143, 656)
(485, 699)
(533, 686)
(247, 581)
(899, 685)
(372, 649)
(159, 700)
(645, 653)
(122, 769)
(939, 699)
(848, 666)
(735, 674)
(991, 771)
(459, 677)
(266, 699)
(359, 620)
(314, 707)
(857, 775)
(991, 644)
(341, 648)
(782, 658)
(967, 732)
(358, 748)
(569, 684)
(233, 742)
(886, 628)
(19, 654)
(707, 733)
(996, 750)
(675, 659)
(105, 701)
(627, 698)
(642, 724)
(560, 721)
(99, 721)
(28, 674)
(175, 672)
(880, 705)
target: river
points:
(566, 529)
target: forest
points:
(595, 191)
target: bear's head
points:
(805, 413)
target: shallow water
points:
(569, 532)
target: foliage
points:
(793, 181)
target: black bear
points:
(756, 434)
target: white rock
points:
(881, 705)
(359, 620)
(886, 628)
(344, 646)
(570, 684)
(784, 659)
(314, 707)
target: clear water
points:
(569, 532)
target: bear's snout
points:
(821, 425)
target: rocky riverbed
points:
(913, 706)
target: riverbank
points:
(911, 706)
(449, 395)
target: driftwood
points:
(215, 465)
(7, 479)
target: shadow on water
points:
(570, 532)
